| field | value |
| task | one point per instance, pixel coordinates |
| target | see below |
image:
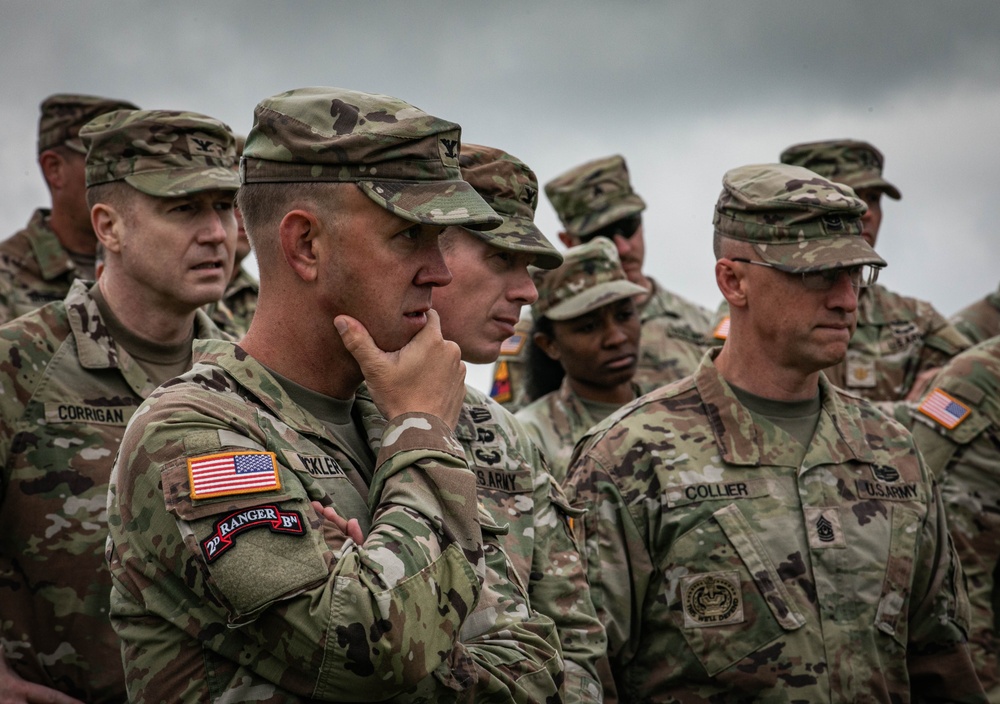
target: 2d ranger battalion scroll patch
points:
(232, 473)
(268, 516)
(945, 409)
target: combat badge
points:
(712, 599)
(269, 516)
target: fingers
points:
(351, 528)
(357, 340)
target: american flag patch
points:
(232, 473)
(513, 344)
(946, 410)
(722, 329)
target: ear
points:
(51, 163)
(547, 345)
(568, 239)
(732, 283)
(108, 225)
(297, 231)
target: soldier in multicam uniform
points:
(755, 533)
(161, 185)
(490, 283)
(235, 311)
(39, 263)
(900, 341)
(957, 428)
(586, 322)
(981, 320)
(596, 199)
(227, 583)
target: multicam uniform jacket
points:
(238, 592)
(34, 269)
(515, 488)
(67, 392)
(724, 570)
(957, 428)
(897, 339)
(981, 320)
(673, 339)
(234, 312)
(554, 423)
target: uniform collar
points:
(53, 259)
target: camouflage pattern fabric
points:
(981, 320)
(958, 433)
(849, 161)
(402, 158)
(249, 596)
(35, 269)
(555, 423)
(67, 392)
(593, 195)
(673, 339)
(62, 115)
(234, 312)
(162, 153)
(723, 570)
(896, 340)
(516, 489)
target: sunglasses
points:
(861, 276)
(626, 228)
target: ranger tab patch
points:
(945, 409)
(268, 516)
(232, 473)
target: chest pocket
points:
(891, 615)
(724, 593)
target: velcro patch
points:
(501, 391)
(712, 599)
(945, 409)
(267, 516)
(83, 413)
(513, 344)
(232, 473)
(823, 528)
(678, 495)
(316, 465)
(861, 373)
(722, 329)
(500, 480)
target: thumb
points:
(357, 340)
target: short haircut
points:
(263, 205)
(118, 194)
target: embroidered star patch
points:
(232, 473)
(945, 409)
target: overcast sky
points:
(684, 90)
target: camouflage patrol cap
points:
(511, 189)
(63, 114)
(795, 219)
(591, 276)
(857, 164)
(161, 153)
(399, 156)
(594, 195)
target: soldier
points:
(39, 263)
(981, 320)
(161, 188)
(957, 428)
(227, 583)
(586, 323)
(596, 199)
(490, 283)
(900, 342)
(757, 534)
(235, 311)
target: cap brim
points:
(586, 224)
(881, 184)
(521, 235)
(593, 298)
(170, 183)
(433, 203)
(76, 145)
(819, 254)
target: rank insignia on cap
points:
(232, 473)
(513, 344)
(945, 409)
(722, 329)
(501, 391)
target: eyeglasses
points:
(626, 227)
(861, 276)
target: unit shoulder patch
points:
(268, 516)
